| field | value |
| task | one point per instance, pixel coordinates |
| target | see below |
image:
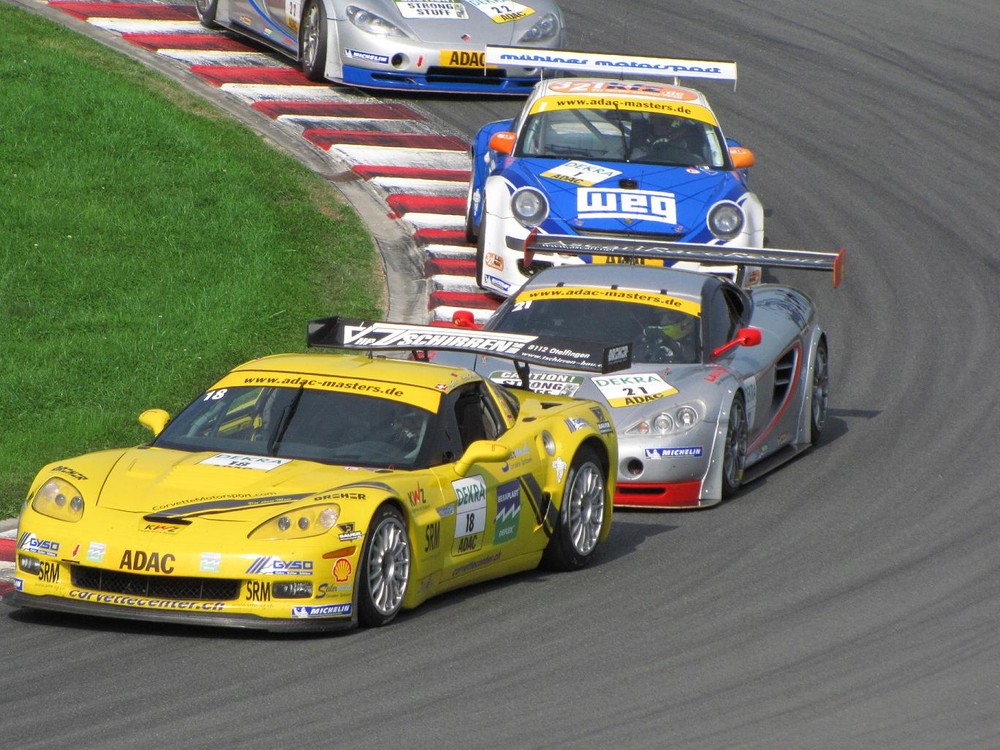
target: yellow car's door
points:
(497, 516)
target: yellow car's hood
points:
(177, 484)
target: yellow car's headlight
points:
(299, 523)
(59, 499)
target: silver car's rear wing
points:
(547, 351)
(628, 250)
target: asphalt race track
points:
(850, 600)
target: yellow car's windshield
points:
(327, 426)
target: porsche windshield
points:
(658, 334)
(621, 135)
(327, 426)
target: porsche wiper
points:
(621, 129)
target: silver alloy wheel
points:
(310, 36)
(388, 565)
(820, 389)
(585, 508)
(737, 437)
(202, 6)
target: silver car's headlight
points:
(725, 220)
(371, 23)
(667, 422)
(529, 207)
(544, 28)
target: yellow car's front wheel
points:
(385, 568)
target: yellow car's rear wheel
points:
(581, 516)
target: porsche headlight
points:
(668, 422)
(299, 523)
(725, 220)
(59, 499)
(371, 23)
(529, 207)
(544, 28)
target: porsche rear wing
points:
(609, 65)
(629, 250)
(546, 351)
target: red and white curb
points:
(421, 175)
(8, 541)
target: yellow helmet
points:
(681, 326)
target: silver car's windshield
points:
(326, 426)
(657, 334)
(621, 135)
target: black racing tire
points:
(734, 457)
(581, 516)
(206, 10)
(312, 41)
(471, 235)
(820, 391)
(481, 252)
(384, 571)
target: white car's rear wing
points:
(547, 351)
(628, 249)
(609, 65)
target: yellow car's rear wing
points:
(546, 351)
(625, 250)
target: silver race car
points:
(725, 384)
(424, 45)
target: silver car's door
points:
(286, 15)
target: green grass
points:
(147, 245)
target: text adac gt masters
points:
(322, 490)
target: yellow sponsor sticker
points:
(633, 389)
(425, 398)
(634, 296)
(463, 58)
(679, 109)
(599, 259)
(502, 12)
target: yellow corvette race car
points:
(323, 491)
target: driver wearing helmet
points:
(675, 140)
(681, 332)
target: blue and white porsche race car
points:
(612, 157)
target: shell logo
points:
(342, 570)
